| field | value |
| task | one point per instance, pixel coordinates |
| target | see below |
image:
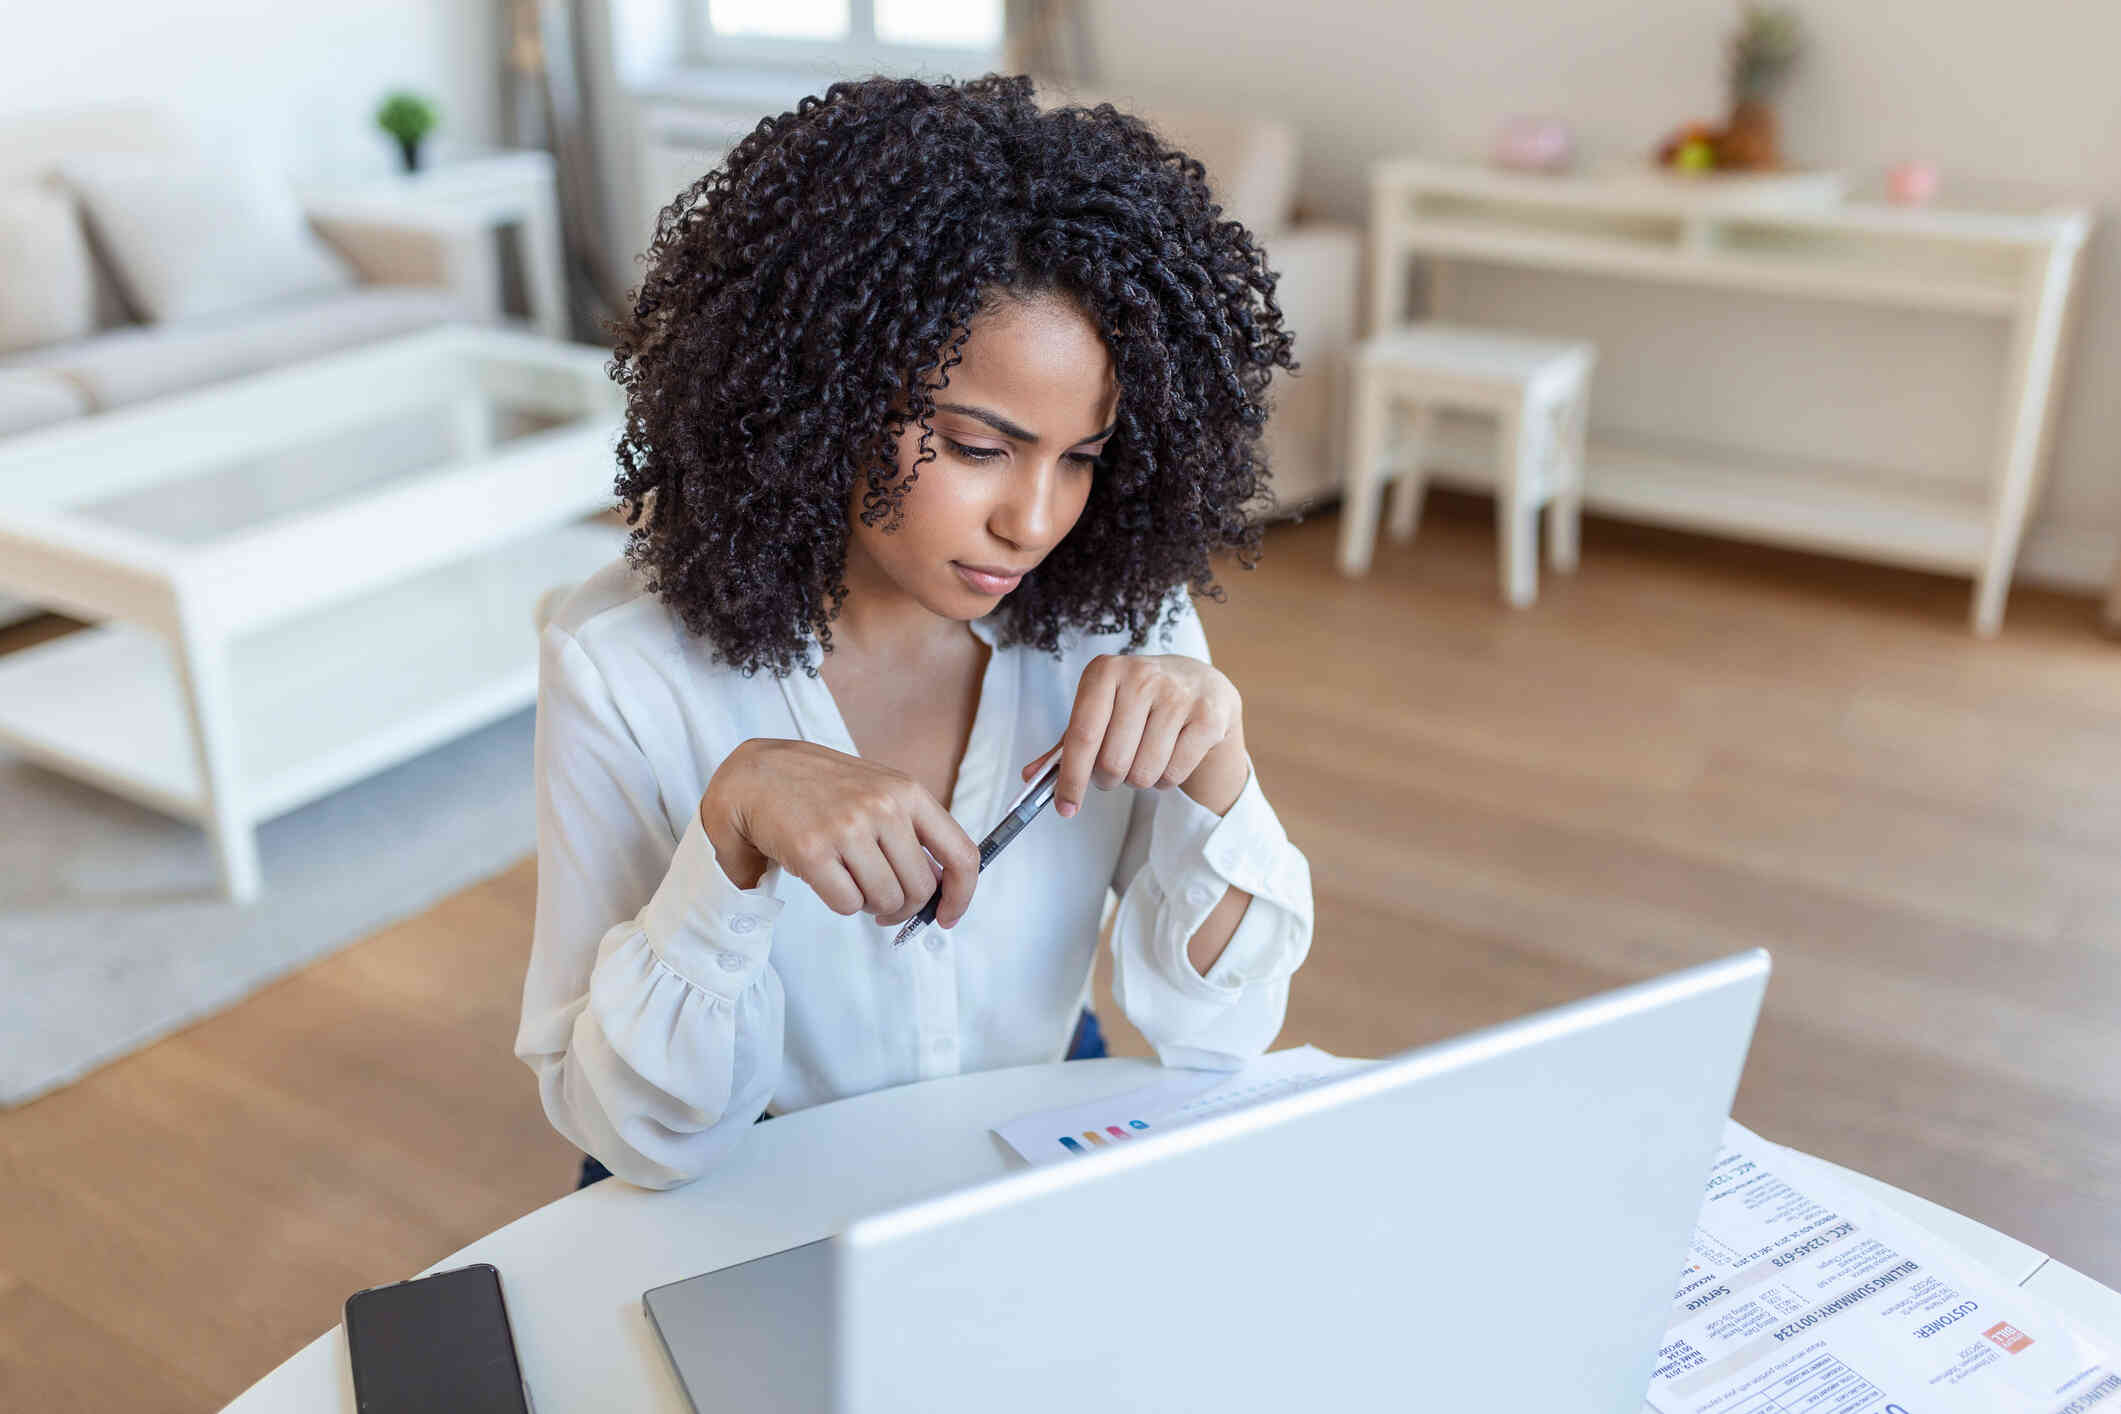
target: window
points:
(887, 35)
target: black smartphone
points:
(433, 1344)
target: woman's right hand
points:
(854, 831)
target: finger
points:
(1123, 735)
(1152, 760)
(955, 854)
(833, 885)
(872, 872)
(1037, 767)
(1192, 747)
(1086, 732)
(916, 872)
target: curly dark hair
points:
(805, 300)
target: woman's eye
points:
(1087, 460)
(972, 454)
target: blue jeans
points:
(1088, 1043)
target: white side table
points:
(462, 202)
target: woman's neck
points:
(879, 622)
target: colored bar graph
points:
(1091, 1138)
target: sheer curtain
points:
(1049, 40)
(545, 106)
(548, 86)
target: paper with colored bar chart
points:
(1799, 1293)
(1179, 1098)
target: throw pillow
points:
(47, 289)
(190, 239)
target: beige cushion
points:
(187, 238)
(133, 364)
(1251, 163)
(32, 144)
(36, 400)
(47, 294)
(1250, 160)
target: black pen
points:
(1012, 825)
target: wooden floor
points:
(1688, 748)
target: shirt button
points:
(1201, 894)
(729, 961)
(935, 940)
(743, 922)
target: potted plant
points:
(409, 118)
(1766, 44)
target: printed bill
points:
(1800, 1294)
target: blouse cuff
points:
(1195, 855)
(706, 929)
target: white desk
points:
(574, 1270)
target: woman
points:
(937, 404)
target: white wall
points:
(296, 80)
(2008, 99)
(2019, 95)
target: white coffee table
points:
(305, 576)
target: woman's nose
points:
(1028, 513)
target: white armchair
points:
(1251, 164)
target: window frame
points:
(859, 53)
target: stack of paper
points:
(1802, 1294)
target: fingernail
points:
(1067, 809)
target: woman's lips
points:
(985, 583)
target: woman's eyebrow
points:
(1010, 429)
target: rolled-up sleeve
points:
(1178, 860)
(651, 1012)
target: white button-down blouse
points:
(665, 1008)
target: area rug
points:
(113, 931)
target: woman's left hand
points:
(1152, 720)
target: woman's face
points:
(1017, 434)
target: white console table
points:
(1801, 242)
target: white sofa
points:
(1252, 168)
(122, 360)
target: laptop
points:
(1495, 1223)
